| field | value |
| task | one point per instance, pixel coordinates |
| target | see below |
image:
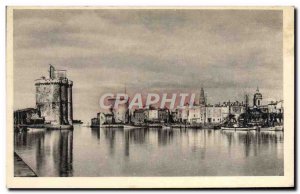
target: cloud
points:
(226, 51)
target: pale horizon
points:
(227, 52)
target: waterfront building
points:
(139, 116)
(214, 114)
(202, 113)
(184, 113)
(237, 108)
(163, 115)
(105, 118)
(102, 118)
(181, 115)
(121, 112)
(275, 107)
(274, 110)
(94, 122)
(27, 116)
(206, 113)
(151, 114)
(194, 114)
(224, 111)
(174, 116)
(54, 97)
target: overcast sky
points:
(227, 52)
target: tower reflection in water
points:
(150, 152)
(125, 137)
(255, 142)
(53, 151)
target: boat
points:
(239, 128)
(279, 128)
(43, 126)
(131, 127)
(166, 127)
(120, 126)
(275, 128)
(113, 126)
(35, 126)
(35, 129)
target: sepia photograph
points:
(150, 97)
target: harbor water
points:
(92, 152)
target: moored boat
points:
(131, 127)
(279, 128)
(111, 126)
(239, 128)
(275, 128)
(166, 127)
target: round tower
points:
(54, 98)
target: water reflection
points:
(150, 152)
(53, 151)
(96, 132)
(164, 136)
(253, 141)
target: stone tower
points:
(120, 113)
(202, 101)
(257, 98)
(54, 98)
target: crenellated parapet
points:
(50, 82)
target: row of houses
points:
(138, 116)
(187, 114)
(103, 118)
(207, 114)
(200, 113)
(151, 115)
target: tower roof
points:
(257, 92)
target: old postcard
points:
(150, 97)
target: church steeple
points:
(202, 101)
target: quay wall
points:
(21, 169)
